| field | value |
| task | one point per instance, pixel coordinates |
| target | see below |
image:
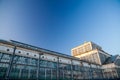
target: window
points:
(5, 58)
(8, 49)
(43, 63)
(27, 53)
(33, 62)
(42, 56)
(35, 55)
(87, 47)
(51, 64)
(80, 50)
(19, 51)
(75, 52)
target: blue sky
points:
(60, 25)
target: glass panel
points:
(43, 63)
(33, 72)
(21, 60)
(15, 72)
(51, 64)
(25, 60)
(48, 74)
(76, 67)
(24, 72)
(3, 70)
(1, 55)
(65, 66)
(65, 71)
(5, 57)
(42, 74)
(75, 75)
(16, 59)
(54, 74)
(61, 74)
(67, 74)
(33, 62)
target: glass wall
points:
(64, 71)
(48, 70)
(24, 68)
(4, 64)
(27, 68)
(76, 72)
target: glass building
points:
(23, 61)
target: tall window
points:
(74, 52)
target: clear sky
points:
(60, 25)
